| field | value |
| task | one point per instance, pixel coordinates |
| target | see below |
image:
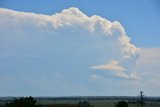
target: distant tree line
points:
(31, 102)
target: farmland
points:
(100, 101)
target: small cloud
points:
(112, 65)
(119, 71)
(132, 75)
(94, 76)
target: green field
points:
(94, 101)
(97, 103)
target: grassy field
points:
(97, 103)
(51, 102)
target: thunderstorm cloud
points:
(69, 43)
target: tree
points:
(122, 104)
(22, 102)
(84, 104)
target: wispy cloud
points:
(113, 65)
(148, 66)
(149, 56)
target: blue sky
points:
(44, 55)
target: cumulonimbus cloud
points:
(70, 33)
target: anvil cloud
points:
(69, 43)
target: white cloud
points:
(112, 65)
(72, 18)
(132, 75)
(67, 42)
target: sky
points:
(79, 48)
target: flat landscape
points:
(94, 101)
